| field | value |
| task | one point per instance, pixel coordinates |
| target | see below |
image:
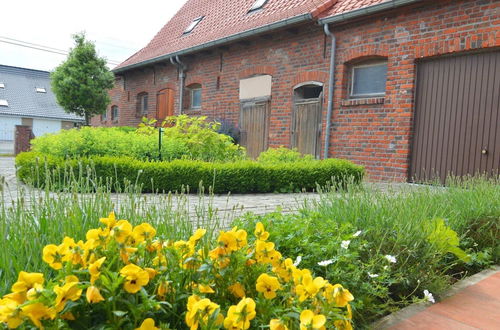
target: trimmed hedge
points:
(236, 177)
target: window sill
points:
(364, 101)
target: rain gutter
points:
(235, 37)
(367, 11)
(182, 76)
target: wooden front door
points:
(254, 126)
(457, 116)
(306, 126)
(164, 104)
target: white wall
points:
(7, 127)
(43, 126)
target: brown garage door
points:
(253, 126)
(457, 116)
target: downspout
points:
(182, 76)
(331, 89)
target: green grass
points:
(39, 218)
(396, 223)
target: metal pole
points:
(160, 131)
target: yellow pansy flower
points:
(147, 324)
(97, 237)
(260, 232)
(69, 291)
(277, 324)
(110, 221)
(54, 255)
(37, 312)
(143, 232)
(227, 240)
(200, 311)
(342, 325)
(162, 290)
(10, 313)
(268, 285)
(309, 320)
(239, 316)
(204, 288)
(95, 269)
(121, 231)
(309, 287)
(237, 290)
(198, 234)
(240, 236)
(135, 278)
(27, 281)
(93, 295)
(336, 293)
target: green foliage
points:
(82, 82)
(235, 177)
(283, 155)
(445, 239)
(185, 138)
(401, 224)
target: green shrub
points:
(437, 236)
(236, 177)
(283, 155)
(186, 138)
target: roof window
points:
(41, 90)
(2, 85)
(4, 103)
(258, 4)
(193, 24)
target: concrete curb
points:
(407, 312)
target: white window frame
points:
(193, 25)
(2, 85)
(40, 90)
(192, 90)
(258, 4)
(113, 117)
(4, 103)
(360, 96)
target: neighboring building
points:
(26, 99)
(416, 83)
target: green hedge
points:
(236, 177)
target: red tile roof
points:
(226, 18)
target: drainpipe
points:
(182, 76)
(331, 89)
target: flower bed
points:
(125, 277)
(236, 177)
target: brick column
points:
(24, 135)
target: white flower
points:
(390, 258)
(345, 244)
(356, 234)
(297, 261)
(325, 262)
(372, 275)
(385, 267)
(429, 297)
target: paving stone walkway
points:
(472, 304)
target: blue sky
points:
(118, 28)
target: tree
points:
(82, 82)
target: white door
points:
(7, 127)
(43, 126)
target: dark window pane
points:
(114, 113)
(369, 80)
(145, 103)
(196, 98)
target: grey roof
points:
(20, 93)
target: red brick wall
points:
(376, 132)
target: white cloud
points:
(119, 28)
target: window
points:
(4, 103)
(2, 85)
(41, 90)
(195, 96)
(258, 4)
(368, 79)
(193, 24)
(104, 116)
(142, 104)
(308, 91)
(114, 112)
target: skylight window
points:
(258, 4)
(2, 85)
(41, 90)
(4, 103)
(193, 24)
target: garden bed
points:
(243, 176)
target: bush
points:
(283, 155)
(185, 138)
(126, 277)
(177, 175)
(390, 247)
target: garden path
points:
(472, 304)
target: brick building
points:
(415, 89)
